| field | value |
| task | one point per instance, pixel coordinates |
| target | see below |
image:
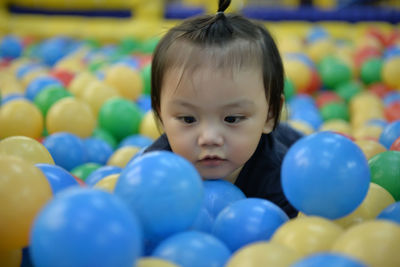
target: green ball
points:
(50, 95)
(129, 45)
(146, 77)
(289, 89)
(105, 136)
(371, 71)
(120, 117)
(348, 90)
(333, 72)
(335, 110)
(84, 170)
(148, 46)
(385, 171)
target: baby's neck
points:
(233, 176)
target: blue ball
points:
(218, 194)
(246, 221)
(203, 222)
(302, 102)
(38, 84)
(67, 149)
(165, 191)
(390, 133)
(391, 213)
(58, 178)
(98, 150)
(327, 259)
(10, 47)
(193, 249)
(85, 227)
(11, 97)
(310, 116)
(101, 173)
(391, 97)
(325, 174)
(52, 50)
(144, 102)
(26, 68)
(136, 140)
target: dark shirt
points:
(261, 175)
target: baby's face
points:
(214, 118)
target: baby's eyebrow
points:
(239, 103)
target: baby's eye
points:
(233, 119)
(187, 119)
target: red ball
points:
(64, 76)
(315, 83)
(365, 53)
(80, 181)
(396, 145)
(379, 89)
(392, 111)
(327, 97)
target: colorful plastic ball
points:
(149, 126)
(391, 213)
(25, 148)
(315, 83)
(376, 243)
(38, 84)
(326, 97)
(71, 115)
(126, 80)
(379, 89)
(154, 262)
(289, 89)
(80, 82)
(390, 133)
(385, 171)
(107, 183)
(59, 178)
(52, 50)
(321, 48)
(93, 228)
(263, 254)
(335, 110)
(301, 126)
(24, 191)
(121, 117)
(370, 147)
(105, 135)
(391, 97)
(146, 77)
(122, 156)
(63, 75)
(67, 150)
(337, 126)
(371, 71)
(20, 117)
(299, 73)
(248, 220)
(144, 103)
(396, 145)
(96, 93)
(84, 170)
(371, 132)
(325, 174)
(136, 140)
(334, 72)
(376, 200)
(391, 72)
(10, 97)
(193, 249)
(392, 111)
(48, 96)
(101, 173)
(311, 117)
(348, 90)
(10, 47)
(11, 258)
(203, 222)
(98, 150)
(164, 190)
(219, 194)
(328, 259)
(307, 235)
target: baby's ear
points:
(269, 124)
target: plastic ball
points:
(391, 213)
(67, 150)
(10, 47)
(392, 111)
(165, 191)
(203, 222)
(391, 97)
(263, 254)
(63, 75)
(348, 90)
(374, 242)
(321, 48)
(334, 72)
(328, 259)
(310, 116)
(96, 93)
(26, 148)
(98, 150)
(126, 80)
(122, 156)
(146, 77)
(193, 249)
(326, 97)
(371, 71)
(59, 178)
(385, 171)
(144, 103)
(24, 191)
(101, 173)
(149, 126)
(307, 235)
(315, 83)
(376, 200)
(80, 82)
(121, 117)
(84, 170)
(370, 147)
(154, 262)
(248, 220)
(391, 72)
(325, 174)
(371, 132)
(390, 133)
(136, 140)
(289, 89)
(11, 258)
(20, 117)
(71, 115)
(301, 126)
(299, 73)
(378, 89)
(105, 135)
(38, 84)
(48, 96)
(86, 220)
(107, 183)
(338, 126)
(335, 110)
(396, 145)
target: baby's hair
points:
(222, 41)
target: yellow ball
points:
(376, 243)
(80, 82)
(320, 48)
(24, 191)
(367, 131)
(26, 148)
(364, 101)
(127, 81)
(11, 258)
(71, 115)
(299, 73)
(149, 127)
(370, 147)
(376, 200)
(107, 183)
(307, 235)
(263, 254)
(391, 72)
(20, 117)
(96, 93)
(302, 127)
(337, 125)
(32, 75)
(122, 156)
(154, 262)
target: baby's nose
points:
(210, 136)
